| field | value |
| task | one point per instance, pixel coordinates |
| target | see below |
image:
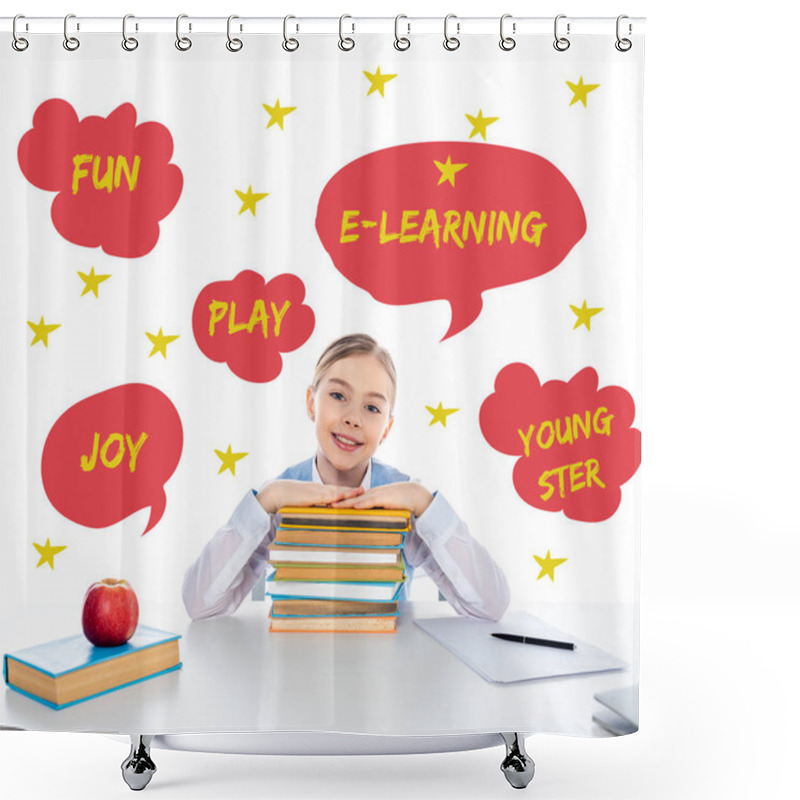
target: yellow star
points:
(584, 315)
(377, 81)
(548, 565)
(249, 199)
(448, 170)
(480, 123)
(277, 113)
(41, 330)
(47, 551)
(440, 414)
(580, 90)
(160, 342)
(229, 460)
(92, 281)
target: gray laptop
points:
(621, 713)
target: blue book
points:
(334, 590)
(68, 671)
(393, 613)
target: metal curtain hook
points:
(290, 44)
(623, 45)
(345, 42)
(182, 42)
(401, 42)
(70, 42)
(506, 42)
(451, 42)
(19, 43)
(129, 43)
(561, 43)
(233, 44)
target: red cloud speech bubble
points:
(110, 455)
(447, 220)
(113, 177)
(574, 442)
(248, 323)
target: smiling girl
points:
(351, 402)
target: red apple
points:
(110, 612)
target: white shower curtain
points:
(260, 284)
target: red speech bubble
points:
(110, 455)
(248, 323)
(446, 221)
(574, 442)
(113, 177)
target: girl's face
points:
(351, 410)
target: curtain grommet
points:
(622, 44)
(71, 43)
(346, 43)
(290, 44)
(561, 43)
(129, 43)
(507, 42)
(401, 43)
(451, 43)
(19, 43)
(183, 43)
(233, 44)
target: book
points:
(362, 624)
(369, 573)
(67, 671)
(337, 538)
(288, 607)
(327, 517)
(321, 607)
(334, 590)
(300, 554)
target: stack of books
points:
(337, 569)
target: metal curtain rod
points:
(322, 25)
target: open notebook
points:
(506, 662)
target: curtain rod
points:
(325, 25)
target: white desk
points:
(236, 676)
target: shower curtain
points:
(320, 366)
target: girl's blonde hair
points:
(356, 344)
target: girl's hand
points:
(277, 494)
(404, 494)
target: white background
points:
(720, 603)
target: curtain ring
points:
(70, 42)
(290, 44)
(561, 43)
(129, 43)
(233, 44)
(623, 45)
(401, 42)
(18, 42)
(451, 42)
(345, 42)
(506, 42)
(183, 43)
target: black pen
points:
(510, 637)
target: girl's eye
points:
(373, 409)
(337, 395)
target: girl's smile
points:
(346, 443)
